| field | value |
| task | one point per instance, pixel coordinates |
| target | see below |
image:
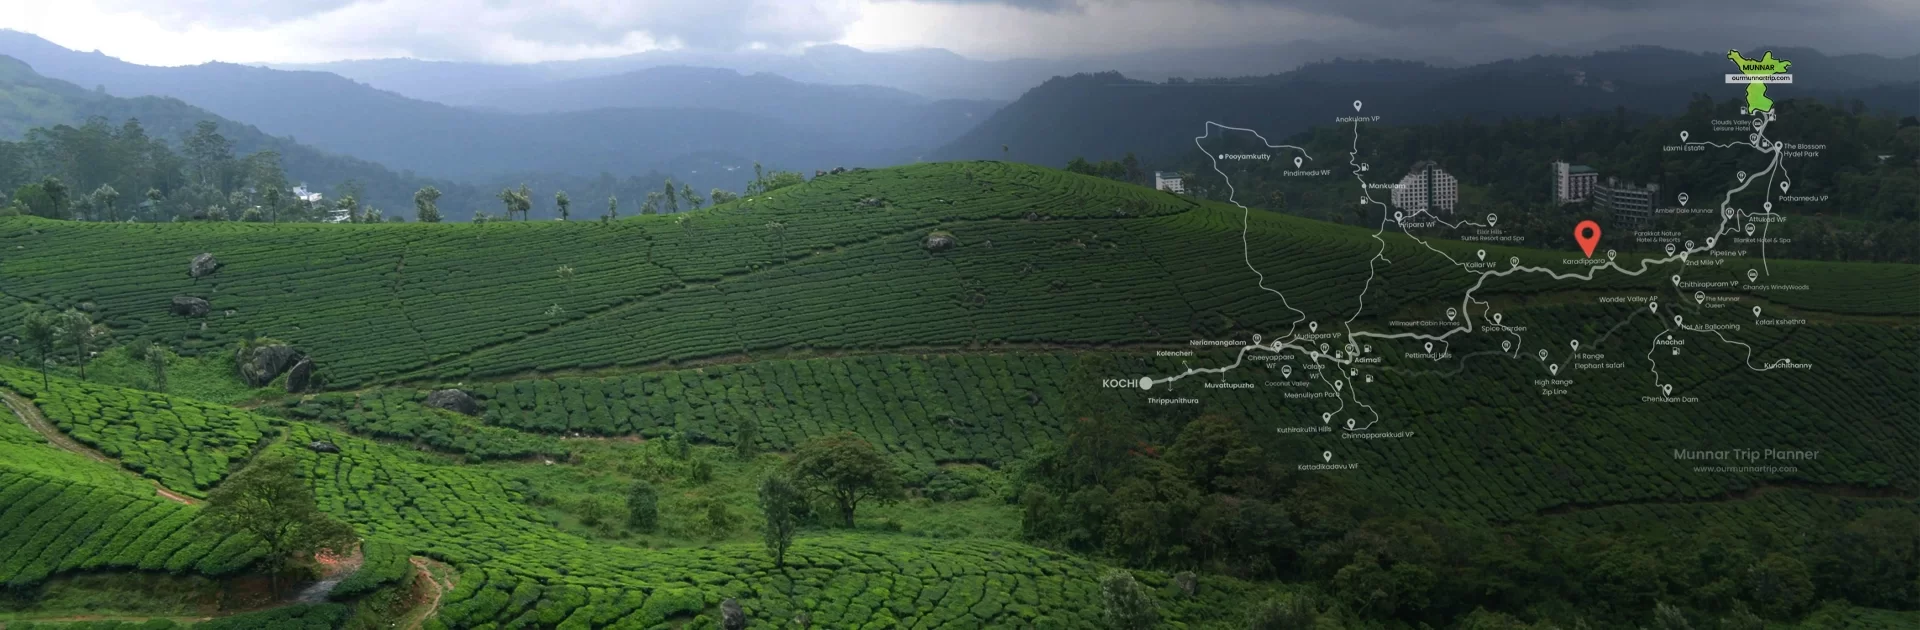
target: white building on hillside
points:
(1573, 183)
(1631, 206)
(1426, 187)
(1168, 181)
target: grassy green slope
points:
(1043, 257)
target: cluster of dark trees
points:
(1154, 489)
(102, 172)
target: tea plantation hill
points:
(820, 308)
(64, 512)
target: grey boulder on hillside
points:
(454, 400)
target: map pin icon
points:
(1587, 234)
(1676, 279)
(1683, 136)
(1492, 219)
(1315, 326)
(1356, 106)
(1575, 344)
(1506, 345)
(1653, 306)
(1676, 320)
(1325, 417)
(1328, 455)
(1767, 206)
(1349, 424)
(1286, 371)
(1783, 186)
(1749, 229)
(1756, 311)
(1543, 354)
(1669, 249)
(1482, 254)
(1553, 368)
(1496, 319)
(1296, 162)
(1753, 275)
(1429, 347)
(1741, 175)
(1699, 297)
(1337, 385)
(1452, 314)
(1666, 390)
(1683, 199)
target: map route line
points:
(1346, 384)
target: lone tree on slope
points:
(845, 470)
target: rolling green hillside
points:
(964, 318)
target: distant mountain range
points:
(933, 73)
(629, 123)
(28, 100)
(1105, 115)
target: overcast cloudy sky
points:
(172, 32)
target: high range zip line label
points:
(1344, 377)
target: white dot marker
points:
(1482, 254)
(1429, 347)
(1653, 307)
(1756, 311)
(1669, 249)
(1783, 186)
(1492, 219)
(1496, 319)
(1575, 344)
(1514, 260)
(1313, 326)
(1767, 206)
(1666, 390)
(1676, 279)
(1452, 314)
(1328, 455)
(1683, 136)
(1689, 245)
(1506, 345)
(1753, 275)
(1711, 240)
(1683, 199)
(1676, 352)
(1297, 162)
(1676, 320)
(1325, 417)
(1146, 382)
(1553, 368)
(1396, 216)
(1337, 385)
(1741, 175)
(1349, 424)
(1699, 297)
(1356, 106)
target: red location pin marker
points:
(1587, 233)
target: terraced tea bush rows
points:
(515, 569)
(383, 563)
(398, 415)
(1043, 256)
(50, 525)
(927, 409)
(376, 301)
(184, 444)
